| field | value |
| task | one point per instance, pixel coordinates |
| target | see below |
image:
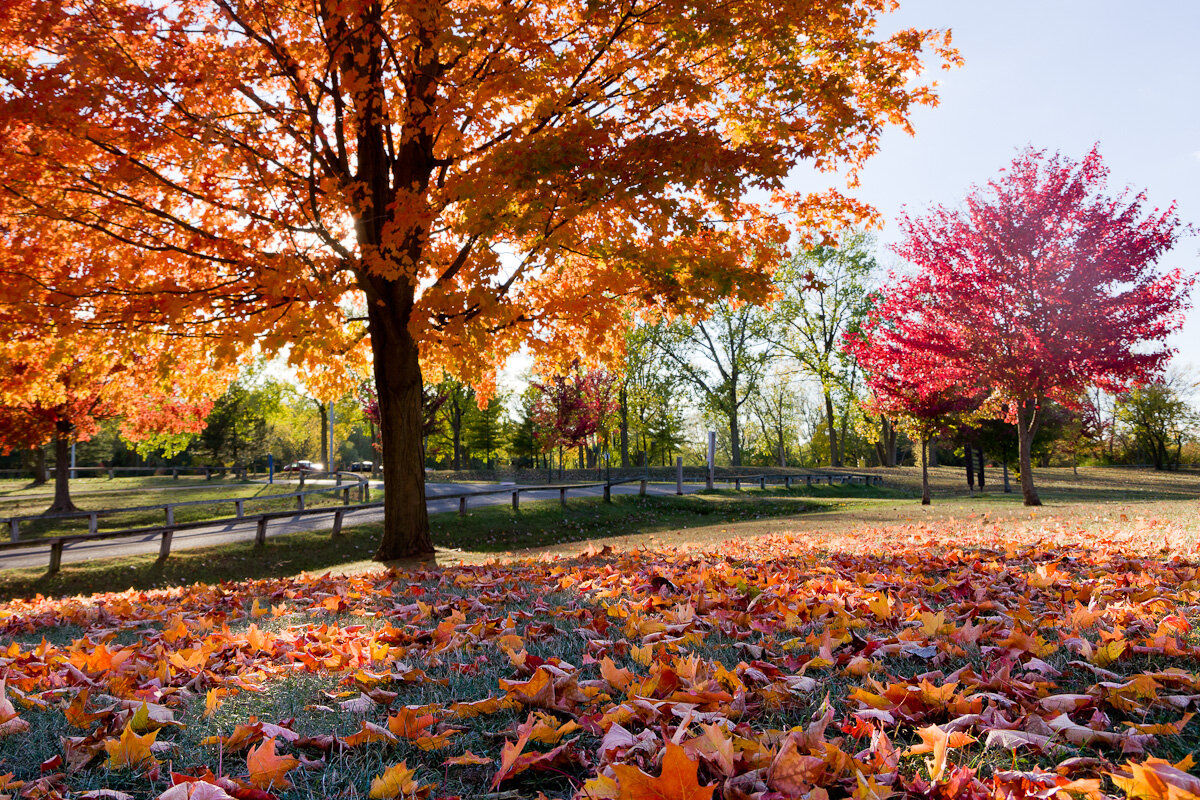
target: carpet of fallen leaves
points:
(979, 659)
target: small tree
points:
(59, 388)
(572, 408)
(1039, 286)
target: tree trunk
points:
(981, 460)
(398, 382)
(1027, 425)
(735, 442)
(925, 499)
(971, 469)
(40, 473)
(835, 457)
(624, 429)
(62, 470)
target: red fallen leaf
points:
(677, 780)
(51, 764)
(510, 751)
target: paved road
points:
(37, 555)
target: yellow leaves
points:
(881, 606)
(937, 741)
(1108, 652)
(268, 769)
(1156, 779)
(677, 780)
(10, 723)
(130, 750)
(397, 781)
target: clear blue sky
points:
(1057, 75)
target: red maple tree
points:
(1039, 286)
(572, 408)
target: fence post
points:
(164, 549)
(170, 510)
(808, 480)
(762, 481)
(462, 505)
(346, 496)
(110, 475)
(260, 534)
(679, 475)
(562, 497)
(737, 484)
(712, 454)
(301, 479)
(300, 501)
(56, 548)
(174, 473)
(608, 492)
(787, 481)
(207, 473)
(15, 525)
(642, 488)
(516, 500)
(240, 505)
(93, 522)
(830, 477)
(337, 522)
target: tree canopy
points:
(455, 179)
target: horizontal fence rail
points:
(357, 482)
(166, 532)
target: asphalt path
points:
(37, 554)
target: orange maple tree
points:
(58, 387)
(455, 179)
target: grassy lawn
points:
(485, 532)
(762, 644)
(103, 494)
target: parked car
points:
(362, 466)
(303, 466)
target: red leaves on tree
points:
(572, 407)
(1038, 287)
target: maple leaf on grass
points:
(677, 780)
(397, 781)
(130, 750)
(267, 769)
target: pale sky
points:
(1058, 75)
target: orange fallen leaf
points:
(676, 782)
(267, 768)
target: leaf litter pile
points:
(975, 659)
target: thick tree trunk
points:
(624, 428)
(62, 471)
(925, 498)
(1027, 425)
(398, 382)
(971, 470)
(981, 460)
(835, 456)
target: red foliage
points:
(1038, 287)
(573, 407)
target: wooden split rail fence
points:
(358, 484)
(166, 532)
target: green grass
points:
(486, 529)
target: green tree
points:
(722, 359)
(487, 431)
(236, 428)
(1158, 419)
(823, 296)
